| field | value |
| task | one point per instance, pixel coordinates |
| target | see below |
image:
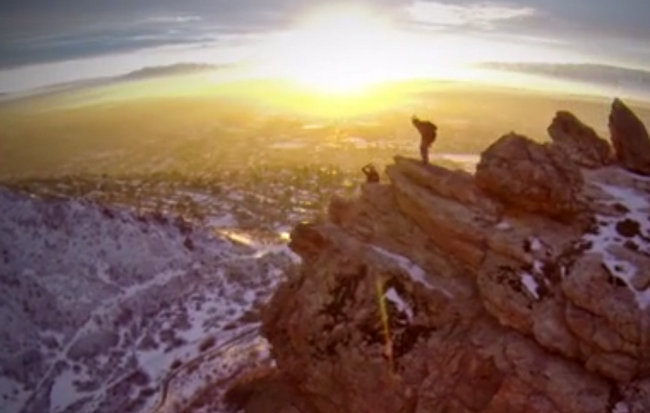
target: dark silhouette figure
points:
(427, 136)
(372, 176)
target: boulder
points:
(578, 141)
(530, 176)
(630, 139)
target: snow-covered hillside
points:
(106, 311)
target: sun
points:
(339, 50)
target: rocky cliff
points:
(521, 288)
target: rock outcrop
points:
(531, 176)
(579, 141)
(447, 292)
(630, 139)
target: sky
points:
(52, 41)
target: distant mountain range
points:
(635, 80)
(616, 79)
(144, 73)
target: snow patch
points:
(64, 392)
(607, 236)
(197, 197)
(621, 407)
(503, 226)
(392, 296)
(224, 221)
(414, 271)
(12, 395)
(282, 249)
(531, 285)
(535, 244)
(628, 196)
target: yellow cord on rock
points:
(383, 313)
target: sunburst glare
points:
(340, 50)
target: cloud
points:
(173, 19)
(479, 16)
(95, 43)
(575, 71)
(634, 82)
(40, 31)
(150, 72)
(168, 70)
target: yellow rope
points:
(383, 313)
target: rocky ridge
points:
(522, 288)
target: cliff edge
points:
(521, 288)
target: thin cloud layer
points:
(173, 19)
(482, 16)
(41, 32)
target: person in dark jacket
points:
(372, 176)
(427, 136)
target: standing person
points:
(427, 136)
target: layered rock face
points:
(523, 288)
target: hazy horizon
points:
(119, 88)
